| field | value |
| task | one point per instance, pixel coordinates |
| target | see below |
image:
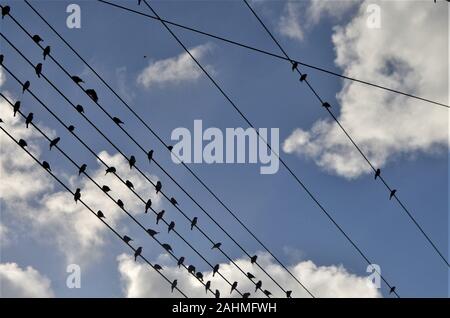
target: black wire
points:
(311, 66)
(98, 186)
(282, 161)
(86, 206)
(165, 145)
(352, 140)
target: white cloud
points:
(2, 77)
(16, 282)
(139, 280)
(175, 70)
(385, 125)
(4, 235)
(289, 24)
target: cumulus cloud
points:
(139, 280)
(176, 69)
(405, 54)
(289, 24)
(16, 282)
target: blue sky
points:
(275, 208)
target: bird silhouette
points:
(110, 170)
(174, 284)
(157, 267)
(171, 226)
(127, 239)
(288, 293)
(253, 259)
(250, 275)
(303, 77)
(137, 252)
(193, 223)
(199, 276)
(267, 293)
(71, 128)
(150, 156)
(158, 187)
(294, 66)
(117, 120)
(258, 285)
(180, 261)
(54, 142)
(1, 120)
(215, 269)
(326, 105)
(159, 216)
(173, 201)
(132, 161)
(77, 195)
(152, 232)
(25, 86)
(79, 109)
(377, 173)
(22, 143)
(38, 69)
(76, 79)
(16, 107)
(392, 194)
(207, 285)
(120, 203)
(29, 119)
(37, 39)
(100, 214)
(129, 184)
(46, 51)
(106, 189)
(2, 57)
(217, 294)
(245, 295)
(167, 247)
(191, 269)
(392, 290)
(217, 245)
(82, 169)
(46, 165)
(139, 2)
(170, 148)
(148, 205)
(233, 287)
(92, 94)
(5, 11)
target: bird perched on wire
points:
(150, 156)
(46, 51)
(157, 267)
(245, 295)
(92, 94)
(294, 65)
(139, 2)
(253, 259)
(326, 105)
(158, 187)
(207, 285)
(217, 294)
(167, 247)
(120, 203)
(54, 142)
(5, 11)
(193, 223)
(233, 287)
(37, 39)
(159, 216)
(2, 57)
(77, 195)
(267, 293)
(100, 215)
(288, 293)
(46, 165)
(152, 232)
(29, 119)
(38, 69)
(106, 189)
(250, 275)
(191, 269)
(180, 261)
(215, 269)
(392, 290)
(258, 285)
(117, 120)
(377, 173)
(127, 239)
(22, 143)
(174, 284)
(303, 77)
(129, 184)
(148, 205)
(79, 109)
(110, 170)
(199, 276)
(173, 201)
(137, 252)
(25, 86)
(132, 162)
(16, 107)
(171, 226)
(392, 194)
(216, 245)
(76, 79)
(82, 169)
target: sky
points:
(43, 231)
